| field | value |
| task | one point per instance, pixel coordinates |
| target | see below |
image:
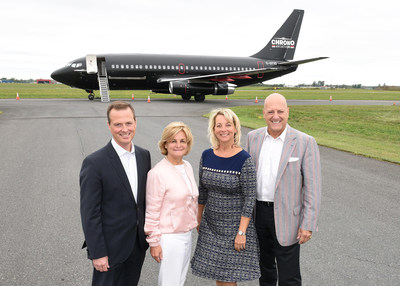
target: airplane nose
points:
(60, 75)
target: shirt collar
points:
(121, 151)
(281, 137)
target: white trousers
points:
(176, 251)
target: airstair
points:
(98, 65)
(104, 88)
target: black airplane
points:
(185, 75)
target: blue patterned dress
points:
(227, 188)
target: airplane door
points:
(103, 70)
(91, 64)
(181, 68)
(260, 65)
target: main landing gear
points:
(198, 97)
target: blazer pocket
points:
(296, 210)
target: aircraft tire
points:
(91, 96)
(186, 97)
(200, 98)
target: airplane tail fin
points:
(283, 44)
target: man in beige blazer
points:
(288, 192)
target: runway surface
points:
(43, 143)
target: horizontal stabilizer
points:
(302, 61)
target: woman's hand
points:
(156, 253)
(240, 242)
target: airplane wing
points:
(227, 76)
(231, 76)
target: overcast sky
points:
(362, 38)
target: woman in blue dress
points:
(227, 247)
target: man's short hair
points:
(119, 105)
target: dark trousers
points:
(126, 273)
(277, 263)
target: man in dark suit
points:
(113, 185)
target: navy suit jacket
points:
(111, 218)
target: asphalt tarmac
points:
(43, 143)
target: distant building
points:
(47, 81)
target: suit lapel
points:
(119, 168)
(258, 140)
(140, 171)
(287, 150)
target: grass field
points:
(8, 90)
(372, 131)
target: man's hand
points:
(303, 235)
(101, 264)
(156, 253)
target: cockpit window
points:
(74, 65)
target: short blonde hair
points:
(170, 131)
(230, 116)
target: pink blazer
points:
(297, 196)
(170, 206)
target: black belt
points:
(267, 204)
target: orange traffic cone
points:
(226, 97)
(330, 98)
(256, 99)
(17, 98)
(133, 96)
(148, 98)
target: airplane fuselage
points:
(141, 71)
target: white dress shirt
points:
(128, 160)
(268, 165)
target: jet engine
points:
(186, 88)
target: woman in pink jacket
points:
(171, 205)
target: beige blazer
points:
(297, 196)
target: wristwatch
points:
(241, 232)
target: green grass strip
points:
(371, 131)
